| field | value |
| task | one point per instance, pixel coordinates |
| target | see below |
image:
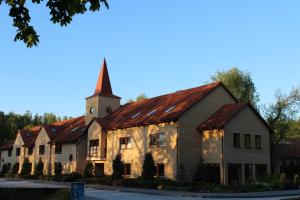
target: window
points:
(258, 142)
(18, 151)
(125, 143)
(30, 150)
(261, 171)
(58, 148)
(247, 140)
(9, 153)
(169, 109)
(160, 170)
(127, 169)
(157, 140)
(135, 115)
(41, 149)
(94, 148)
(236, 140)
(248, 171)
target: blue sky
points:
(151, 47)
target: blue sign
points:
(77, 191)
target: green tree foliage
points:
(15, 168)
(149, 169)
(89, 170)
(61, 12)
(39, 168)
(118, 167)
(11, 122)
(282, 115)
(239, 83)
(26, 168)
(138, 98)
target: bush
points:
(15, 168)
(296, 181)
(58, 169)
(74, 176)
(89, 170)
(149, 169)
(39, 168)
(282, 181)
(4, 169)
(118, 168)
(26, 168)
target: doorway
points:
(99, 169)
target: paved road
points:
(96, 194)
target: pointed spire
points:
(103, 84)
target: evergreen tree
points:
(15, 168)
(58, 169)
(89, 170)
(26, 168)
(39, 168)
(118, 167)
(149, 169)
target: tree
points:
(149, 170)
(39, 168)
(239, 83)
(89, 170)
(15, 168)
(61, 11)
(282, 115)
(26, 168)
(138, 98)
(118, 167)
(58, 169)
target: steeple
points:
(103, 86)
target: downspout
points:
(50, 161)
(223, 162)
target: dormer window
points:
(170, 109)
(136, 115)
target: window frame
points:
(41, 149)
(58, 148)
(127, 169)
(18, 151)
(158, 172)
(125, 143)
(239, 140)
(94, 149)
(247, 141)
(157, 140)
(258, 144)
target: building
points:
(204, 125)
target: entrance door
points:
(235, 174)
(99, 169)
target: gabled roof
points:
(8, 146)
(225, 114)
(29, 136)
(220, 118)
(289, 148)
(71, 131)
(156, 110)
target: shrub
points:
(58, 169)
(4, 169)
(89, 170)
(39, 168)
(26, 168)
(15, 168)
(282, 181)
(201, 174)
(149, 169)
(72, 177)
(118, 167)
(296, 181)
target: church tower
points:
(103, 101)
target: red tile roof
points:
(8, 146)
(220, 118)
(158, 109)
(29, 136)
(70, 131)
(288, 149)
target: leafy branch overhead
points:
(61, 11)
